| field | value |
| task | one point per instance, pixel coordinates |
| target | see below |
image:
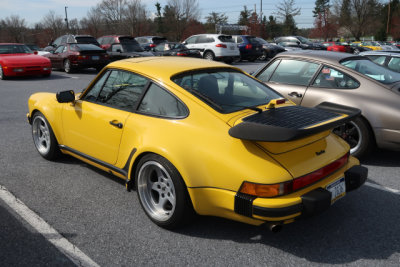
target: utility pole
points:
(66, 18)
(388, 20)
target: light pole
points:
(66, 18)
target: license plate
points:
(337, 189)
(95, 57)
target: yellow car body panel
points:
(212, 163)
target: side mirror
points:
(35, 52)
(185, 43)
(65, 96)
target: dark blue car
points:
(250, 48)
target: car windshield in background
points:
(15, 49)
(178, 46)
(372, 70)
(130, 47)
(226, 38)
(226, 90)
(159, 40)
(84, 47)
(304, 40)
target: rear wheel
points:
(264, 56)
(358, 135)
(44, 138)
(67, 66)
(162, 192)
(209, 55)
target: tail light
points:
(181, 54)
(248, 47)
(221, 45)
(152, 45)
(273, 190)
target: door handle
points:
(295, 94)
(116, 124)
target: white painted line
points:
(384, 188)
(61, 243)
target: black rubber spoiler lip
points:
(270, 133)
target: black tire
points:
(2, 75)
(264, 56)
(67, 66)
(358, 135)
(43, 137)
(209, 55)
(158, 185)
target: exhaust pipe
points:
(275, 228)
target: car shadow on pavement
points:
(383, 158)
(363, 225)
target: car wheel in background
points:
(162, 192)
(264, 56)
(67, 66)
(43, 137)
(358, 135)
(209, 55)
(2, 76)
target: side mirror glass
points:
(65, 96)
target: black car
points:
(269, 50)
(124, 50)
(68, 39)
(149, 42)
(175, 49)
(250, 49)
(299, 41)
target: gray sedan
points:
(309, 78)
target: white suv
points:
(214, 46)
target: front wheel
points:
(44, 138)
(67, 66)
(2, 76)
(358, 135)
(162, 192)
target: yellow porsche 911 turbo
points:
(196, 136)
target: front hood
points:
(25, 60)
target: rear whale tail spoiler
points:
(292, 122)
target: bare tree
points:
(15, 28)
(113, 12)
(136, 15)
(93, 23)
(54, 24)
(213, 19)
(286, 12)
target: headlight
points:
(46, 68)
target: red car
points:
(71, 57)
(337, 47)
(19, 60)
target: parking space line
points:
(51, 235)
(384, 188)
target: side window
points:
(239, 39)
(295, 72)
(96, 88)
(59, 49)
(377, 59)
(202, 39)
(65, 49)
(122, 90)
(394, 64)
(191, 40)
(332, 78)
(160, 48)
(267, 72)
(57, 42)
(159, 102)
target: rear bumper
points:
(312, 202)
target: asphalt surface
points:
(95, 213)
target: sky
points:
(34, 10)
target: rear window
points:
(86, 40)
(225, 38)
(159, 40)
(84, 47)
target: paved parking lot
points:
(94, 212)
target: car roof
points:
(385, 53)
(163, 68)
(326, 56)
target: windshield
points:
(372, 70)
(15, 49)
(226, 90)
(303, 40)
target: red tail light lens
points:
(181, 54)
(221, 45)
(152, 45)
(248, 47)
(273, 190)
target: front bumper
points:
(312, 202)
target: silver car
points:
(309, 78)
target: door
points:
(56, 57)
(290, 77)
(95, 123)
